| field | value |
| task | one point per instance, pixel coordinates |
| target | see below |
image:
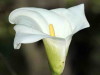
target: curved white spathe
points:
(75, 15)
(34, 22)
(32, 25)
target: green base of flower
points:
(55, 58)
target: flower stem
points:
(53, 73)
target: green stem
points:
(53, 73)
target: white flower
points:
(55, 27)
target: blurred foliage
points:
(70, 2)
(95, 6)
(84, 50)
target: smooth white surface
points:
(32, 24)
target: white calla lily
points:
(55, 27)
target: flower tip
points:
(81, 6)
(17, 46)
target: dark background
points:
(84, 52)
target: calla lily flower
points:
(55, 27)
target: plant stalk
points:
(53, 73)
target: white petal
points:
(75, 15)
(27, 38)
(26, 22)
(26, 29)
(61, 25)
(29, 18)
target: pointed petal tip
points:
(82, 6)
(17, 46)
